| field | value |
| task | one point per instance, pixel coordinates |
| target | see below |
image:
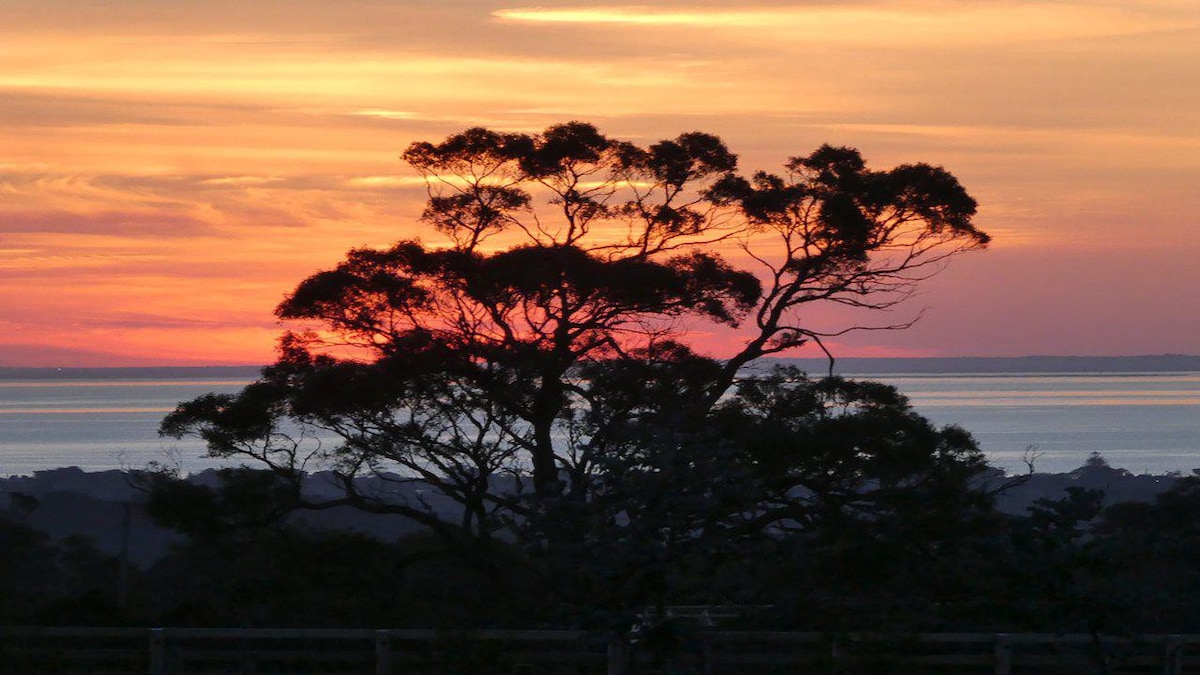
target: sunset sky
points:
(169, 170)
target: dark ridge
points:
(72, 502)
(1149, 363)
(1155, 363)
(132, 373)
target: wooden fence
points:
(175, 651)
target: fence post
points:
(383, 652)
(617, 655)
(1173, 657)
(158, 652)
(1003, 653)
(706, 667)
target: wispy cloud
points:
(240, 181)
(643, 16)
(933, 24)
(142, 224)
(385, 181)
(386, 114)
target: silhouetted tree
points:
(844, 471)
(543, 340)
(243, 499)
(1152, 551)
(43, 581)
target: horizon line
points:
(814, 359)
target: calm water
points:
(1142, 422)
(96, 424)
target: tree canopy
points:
(537, 360)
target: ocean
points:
(1142, 422)
(1146, 422)
(98, 423)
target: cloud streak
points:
(140, 224)
(933, 25)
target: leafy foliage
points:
(534, 371)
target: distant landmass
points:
(133, 373)
(71, 502)
(1150, 363)
(1155, 363)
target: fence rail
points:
(174, 651)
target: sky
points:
(170, 170)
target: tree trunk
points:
(545, 469)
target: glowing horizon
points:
(169, 172)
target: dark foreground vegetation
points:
(1064, 565)
(682, 649)
(525, 400)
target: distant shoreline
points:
(132, 373)
(1155, 363)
